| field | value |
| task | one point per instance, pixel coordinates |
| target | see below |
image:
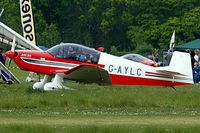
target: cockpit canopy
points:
(75, 52)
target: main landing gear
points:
(55, 85)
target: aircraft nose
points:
(10, 54)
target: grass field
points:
(94, 108)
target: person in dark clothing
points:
(2, 56)
(156, 58)
(168, 57)
(196, 71)
(192, 57)
(192, 61)
(2, 59)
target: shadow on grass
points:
(30, 90)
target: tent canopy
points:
(193, 45)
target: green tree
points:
(50, 36)
(126, 24)
(11, 15)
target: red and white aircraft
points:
(83, 64)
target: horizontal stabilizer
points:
(180, 64)
(168, 70)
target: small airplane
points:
(82, 64)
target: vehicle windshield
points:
(75, 52)
(135, 57)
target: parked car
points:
(140, 59)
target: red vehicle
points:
(140, 59)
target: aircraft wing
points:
(88, 74)
(7, 35)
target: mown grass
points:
(100, 124)
(94, 96)
(99, 108)
(93, 129)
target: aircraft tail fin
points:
(180, 65)
(181, 62)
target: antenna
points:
(1, 12)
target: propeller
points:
(1, 12)
(12, 49)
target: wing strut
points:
(173, 87)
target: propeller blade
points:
(12, 49)
(1, 12)
(9, 62)
(13, 44)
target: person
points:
(2, 59)
(196, 72)
(31, 77)
(28, 79)
(168, 57)
(71, 53)
(2, 56)
(196, 57)
(198, 51)
(156, 58)
(82, 58)
(192, 57)
(89, 57)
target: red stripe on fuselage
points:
(128, 80)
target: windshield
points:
(135, 57)
(75, 52)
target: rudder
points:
(181, 62)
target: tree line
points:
(118, 25)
